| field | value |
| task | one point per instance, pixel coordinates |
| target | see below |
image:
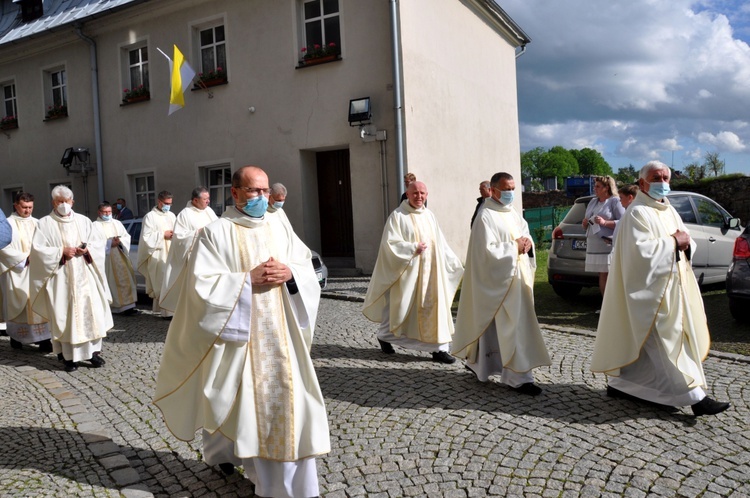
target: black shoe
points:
(60, 357)
(97, 360)
(45, 346)
(70, 366)
(708, 406)
(129, 312)
(443, 357)
(616, 393)
(528, 388)
(227, 468)
(386, 347)
(16, 344)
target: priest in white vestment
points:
(22, 324)
(190, 221)
(67, 282)
(276, 202)
(118, 268)
(153, 249)
(652, 335)
(497, 331)
(414, 281)
(237, 360)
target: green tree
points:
(695, 171)
(591, 162)
(713, 164)
(627, 175)
(558, 162)
(530, 161)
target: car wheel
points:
(738, 311)
(567, 291)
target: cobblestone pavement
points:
(401, 425)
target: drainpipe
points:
(97, 113)
(522, 51)
(398, 94)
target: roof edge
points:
(496, 15)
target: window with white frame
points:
(213, 50)
(218, 180)
(136, 71)
(321, 26)
(56, 92)
(10, 108)
(145, 193)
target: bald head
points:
(417, 194)
(245, 173)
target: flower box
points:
(56, 112)
(318, 60)
(8, 123)
(319, 54)
(139, 98)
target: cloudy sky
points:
(636, 79)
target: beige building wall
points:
(460, 109)
(461, 113)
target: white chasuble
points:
(418, 288)
(22, 323)
(153, 249)
(236, 359)
(186, 228)
(498, 287)
(72, 294)
(118, 268)
(651, 289)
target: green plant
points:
(317, 51)
(134, 92)
(56, 110)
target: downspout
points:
(522, 51)
(398, 95)
(97, 112)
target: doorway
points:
(335, 204)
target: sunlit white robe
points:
(497, 295)
(652, 318)
(189, 222)
(236, 360)
(22, 324)
(413, 292)
(153, 251)
(118, 268)
(73, 294)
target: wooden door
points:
(335, 204)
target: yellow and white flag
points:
(181, 77)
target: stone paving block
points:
(113, 462)
(125, 477)
(136, 492)
(103, 448)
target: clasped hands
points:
(524, 245)
(682, 239)
(72, 252)
(269, 273)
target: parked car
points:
(711, 226)
(134, 229)
(738, 278)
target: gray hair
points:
(198, 191)
(62, 191)
(651, 166)
(278, 188)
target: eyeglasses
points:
(256, 191)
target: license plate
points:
(319, 275)
(579, 245)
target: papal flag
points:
(182, 77)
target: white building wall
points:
(461, 110)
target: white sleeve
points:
(237, 328)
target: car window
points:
(711, 214)
(684, 208)
(576, 213)
(135, 232)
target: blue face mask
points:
(658, 190)
(278, 204)
(256, 207)
(118, 206)
(106, 217)
(165, 208)
(506, 197)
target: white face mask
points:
(64, 209)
